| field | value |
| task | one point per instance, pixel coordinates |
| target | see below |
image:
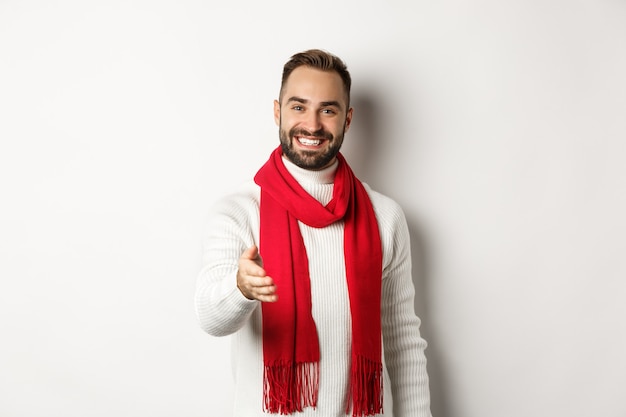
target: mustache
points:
(319, 134)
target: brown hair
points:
(321, 60)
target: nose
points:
(312, 121)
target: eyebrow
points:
(331, 103)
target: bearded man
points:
(309, 270)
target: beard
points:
(312, 160)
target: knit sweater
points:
(233, 226)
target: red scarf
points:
(290, 345)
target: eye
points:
(328, 111)
(298, 108)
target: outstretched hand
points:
(252, 280)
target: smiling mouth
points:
(308, 139)
(309, 142)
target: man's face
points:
(312, 117)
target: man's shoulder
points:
(380, 201)
(389, 213)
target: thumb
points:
(251, 253)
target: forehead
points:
(314, 85)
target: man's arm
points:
(228, 263)
(404, 347)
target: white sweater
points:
(222, 310)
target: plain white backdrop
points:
(500, 127)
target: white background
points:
(498, 125)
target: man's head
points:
(313, 111)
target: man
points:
(310, 271)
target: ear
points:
(348, 119)
(277, 112)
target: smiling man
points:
(315, 109)
(309, 270)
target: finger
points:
(266, 290)
(256, 282)
(266, 294)
(268, 298)
(251, 269)
(262, 289)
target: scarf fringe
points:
(289, 387)
(366, 388)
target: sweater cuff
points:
(238, 301)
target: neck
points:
(322, 176)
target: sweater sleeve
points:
(221, 308)
(403, 346)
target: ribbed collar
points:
(307, 176)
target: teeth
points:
(310, 142)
